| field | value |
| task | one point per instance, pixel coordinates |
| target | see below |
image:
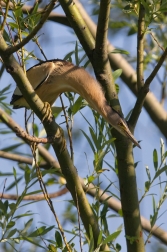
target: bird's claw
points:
(47, 112)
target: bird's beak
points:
(123, 128)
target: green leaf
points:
(77, 105)
(27, 175)
(12, 206)
(148, 173)
(27, 225)
(153, 218)
(91, 179)
(117, 50)
(158, 173)
(111, 237)
(163, 153)
(41, 231)
(95, 140)
(14, 25)
(58, 239)
(2, 207)
(10, 224)
(117, 74)
(147, 186)
(18, 11)
(28, 213)
(11, 233)
(56, 110)
(120, 212)
(155, 159)
(12, 147)
(76, 54)
(91, 245)
(100, 238)
(35, 8)
(89, 141)
(14, 183)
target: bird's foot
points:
(47, 111)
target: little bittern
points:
(51, 78)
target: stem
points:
(140, 47)
(5, 15)
(129, 197)
(100, 57)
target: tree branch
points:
(59, 146)
(129, 181)
(144, 91)
(100, 62)
(113, 204)
(36, 197)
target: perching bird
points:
(51, 78)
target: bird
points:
(52, 77)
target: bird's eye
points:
(121, 124)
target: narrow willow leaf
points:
(89, 141)
(155, 159)
(58, 239)
(148, 173)
(147, 186)
(10, 224)
(100, 237)
(77, 105)
(11, 233)
(158, 173)
(117, 73)
(111, 237)
(117, 50)
(162, 149)
(76, 54)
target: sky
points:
(57, 44)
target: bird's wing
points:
(36, 75)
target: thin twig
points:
(157, 41)
(79, 224)
(145, 89)
(140, 47)
(32, 139)
(156, 69)
(2, 195)
(35, 197)
(68, 129)
(5, 15)
(48, 200)
(40, 48)
(140, 67)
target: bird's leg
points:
(47, 111)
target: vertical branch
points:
(140, 47)
(100, 57)
(126, 169)
(75, 19)
(142, 91)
